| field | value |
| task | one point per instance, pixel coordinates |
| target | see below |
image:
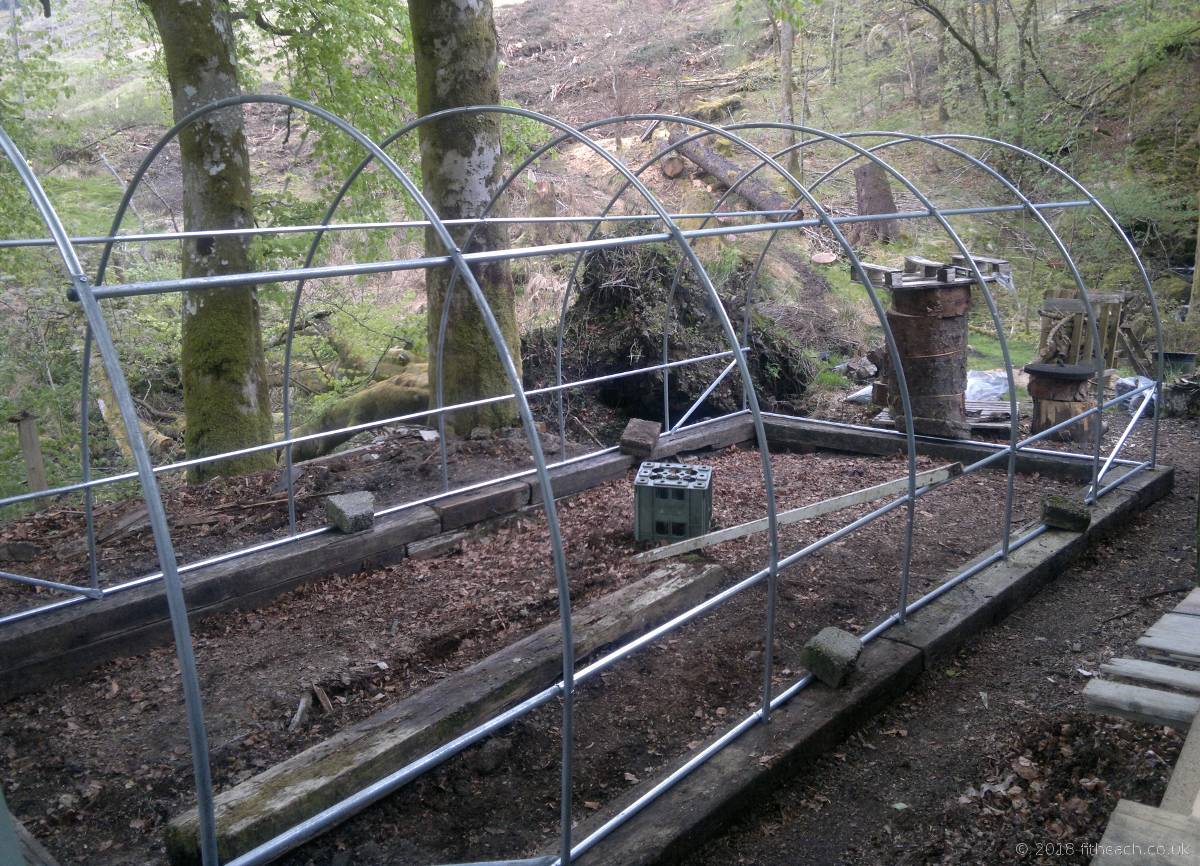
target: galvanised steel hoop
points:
(568, 655)
(568, 133)
(993, 309)
(176, 604)
(457, 258)
(825, 219)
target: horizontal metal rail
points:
(315, 228)
(280, 444)
(325, 272)
(134, 583)
(351, 805)
(588, 219)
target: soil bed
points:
(230, 513)
(96, 767)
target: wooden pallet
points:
(1166, 692)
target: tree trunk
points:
(726, 172)
(1193, 313)
(874, 195)
(454, 48)
(225, 397)
(833, 44)
(787, 43)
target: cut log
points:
(1141, 704)
(672, 166)
(1047, 413)
(726, 172)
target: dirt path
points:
(1006, 707)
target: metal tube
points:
(279, 542)
(354, 428)
(707, 391)
(287, 275)
(258, 231)
(1121, 441)
(1112, 485)
(85, 464)
(312, 827)
(88, 591)
(176, 605)
(662, 787)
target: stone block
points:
(1065, 512)
(831, 655)
(351, 512)
(640, 437)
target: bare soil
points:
(95, 767)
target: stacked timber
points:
(928, 319)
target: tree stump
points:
(1060, 391)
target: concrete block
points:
(831, 655)
(640, 437)
(1065, 512)
(351, 512)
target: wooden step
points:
(1176, 636)
(1141, 704)
(1154, 673)
(1143, 835)
(1190, 605)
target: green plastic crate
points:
(672, 501)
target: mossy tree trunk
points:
(225, 398)
(454, 47)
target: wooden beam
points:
(1176, 636)
(1141, 704)
(1183, 790)
(301, 786)
(795, 515)
(1154, 673)
(1190, 605)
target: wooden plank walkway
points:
(1165, 691)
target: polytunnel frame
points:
(89, 296)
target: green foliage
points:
(352, 57)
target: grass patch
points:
(985, 351)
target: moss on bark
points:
(225, 396)
(454, 46)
